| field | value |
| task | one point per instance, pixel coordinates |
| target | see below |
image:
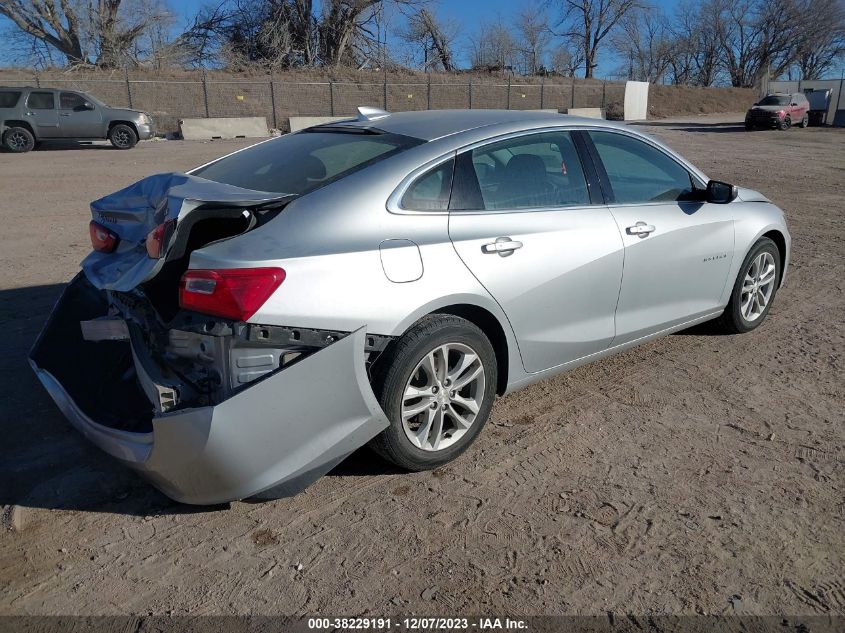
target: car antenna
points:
(369, 113)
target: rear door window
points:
(302, 162)
(532, 171)
(41, 101)
(639, 172)
(9, 99)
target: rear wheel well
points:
(492, 329)
(23, 124)
(780, 241)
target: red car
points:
(779, 110)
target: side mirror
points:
(721, 192)
(87, 106)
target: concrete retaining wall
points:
(235, 127)
(302, 122)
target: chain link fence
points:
(276, 98)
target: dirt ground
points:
(696, 474)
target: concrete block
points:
(302, 122)
(590, 113)
(636, 100)
(235, 127)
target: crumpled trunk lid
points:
(137, 209)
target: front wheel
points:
(437, 387)
(785, 123)
(122, 136)
(754, 290)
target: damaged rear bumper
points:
(270, 439)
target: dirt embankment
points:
(672, 101)
(173, 94)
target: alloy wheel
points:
(121, 137)
(17, 141)
(443, 396)
(757, 286)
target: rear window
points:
(302, 162)
(9, 99)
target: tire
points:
(403, 368)
(18, 140)
(123, 136)
(738, 317)
(749, 127)
(786, 123)
(805, 121)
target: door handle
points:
(504, 246)
(641, 229)
(64, 113)
(29, 113)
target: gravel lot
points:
(696, 474)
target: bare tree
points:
(105, 32)
(492, 47)
(822, 41)
(567, 59)
(589, 22)
(292, 33)
(758, 37)
(22, 49)
(55, 25)
(199, 44)
(533, 36)
(643, 42)
(436, 37)
(696, 48)
(116, 32)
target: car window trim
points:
(393, 200)
(596, 188)
(536, 131)
(695, 180)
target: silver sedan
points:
(240, 329)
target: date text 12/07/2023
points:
(418, 623)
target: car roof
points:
(42, 89)
(430, 125)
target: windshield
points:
(302, 162)
(774, 100)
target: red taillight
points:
(234, 293)
(158, 239)
(102, 239)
